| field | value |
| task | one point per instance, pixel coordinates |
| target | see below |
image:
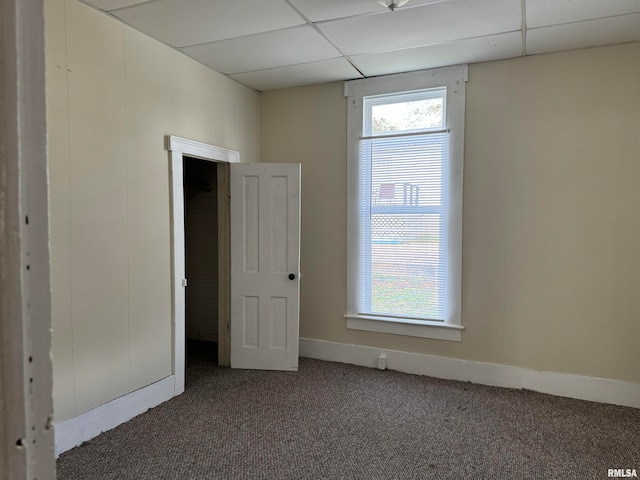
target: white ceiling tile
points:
(265, 50)
(423, 25)
(180, 23)
(267, 44)
(112, 4)
(506, 45)
(554, 12)
(317, 72)
(591, 33)
(328, 9)
(318, 11)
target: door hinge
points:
(184, 282)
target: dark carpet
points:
(337, 421)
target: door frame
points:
(178, 149)
(26, 403)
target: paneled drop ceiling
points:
(270, 44)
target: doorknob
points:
(292, 276)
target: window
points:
(405, 162)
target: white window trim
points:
(454, 78)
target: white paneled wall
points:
(113, 96)
(98, 209)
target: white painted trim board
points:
(26, 404)
(74, 431)
(562, 384)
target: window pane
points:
(407, 116)
(404, 254)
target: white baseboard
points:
(565, 385)
(71, 433)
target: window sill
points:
(409, 327)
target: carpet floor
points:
(338, 421)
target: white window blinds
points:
(404, 162)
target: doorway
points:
(201, 239)
(258, 305)
(206, 163)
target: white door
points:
(265, 265)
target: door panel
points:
(265, 251)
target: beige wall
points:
(551, 264)
(551, 225)
(113, 95)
